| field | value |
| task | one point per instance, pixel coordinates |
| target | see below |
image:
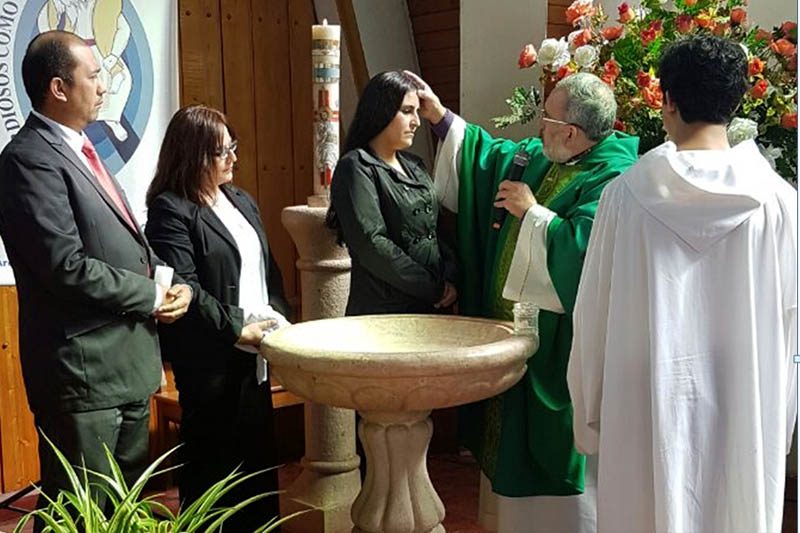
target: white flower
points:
(771, 154)
(554, 53)
(742, 129)
(586, 56)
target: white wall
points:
(491, 39)
(388, 42)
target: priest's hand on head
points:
(515, 196)
(430, 108)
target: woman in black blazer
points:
(210, 232)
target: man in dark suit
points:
(88, 305)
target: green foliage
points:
(77, 510)
(524, 106)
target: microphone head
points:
(521, 159)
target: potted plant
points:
(128, 510)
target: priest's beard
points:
(556, 154)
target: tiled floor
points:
(456, 480)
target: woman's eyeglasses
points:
(227, 151)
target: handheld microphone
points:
(520, 163)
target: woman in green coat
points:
(384, 208)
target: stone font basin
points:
(394, 369)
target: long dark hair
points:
(377, 107)
(194, 137)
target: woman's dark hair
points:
(705, 76)
(194, 137)
(377, 107)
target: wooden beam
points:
(352, 38)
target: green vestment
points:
(523, 438)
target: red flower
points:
(783, 47)
(652, 95)
(789, 120)
(564, 71)
(759, 89)
(684, 23)
(579, 38)
(791, 65)
(578, 10)
(619, 125)
(643, 79)
(789, 30)
(612, 33)
(690, 3)
(648, 35)
(611, 69)
(657, 25)
(626, 14)
(608, 80)
(704, 20)
(756, 66)
(738, 16)
(527, 58)
(720, 29)
(763, 35)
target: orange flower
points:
(579, 38)
(643, 79)
(690, 3)
(564, 71)
(789, 120)
(608, 80)
(684, 23)
(763, 35)
(611, 69)
(720, 29)
(756, 66)
(759, 89)
(704, 20)
(791, 65)
(789, 29)
(612, 33)
(652, 95)
(527, 58)
(783, 47)
(738, 16)
(578, 10)
(626, 14)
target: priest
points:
(522, 439)
(682, 374)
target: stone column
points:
(330, 480)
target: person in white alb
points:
(681, 372)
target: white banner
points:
(136, 45)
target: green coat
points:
(533, 451)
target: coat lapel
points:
(241, 203)
(69, 154)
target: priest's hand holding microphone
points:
(513, 195)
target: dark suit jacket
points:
(192, 239)
(87, 340)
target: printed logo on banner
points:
(114, 31)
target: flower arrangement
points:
(625, 54)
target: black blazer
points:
(390, 225)
(87, 340)
(192, 239)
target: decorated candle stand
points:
(330, 480)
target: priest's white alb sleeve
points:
(528, 278)
(448, 163)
